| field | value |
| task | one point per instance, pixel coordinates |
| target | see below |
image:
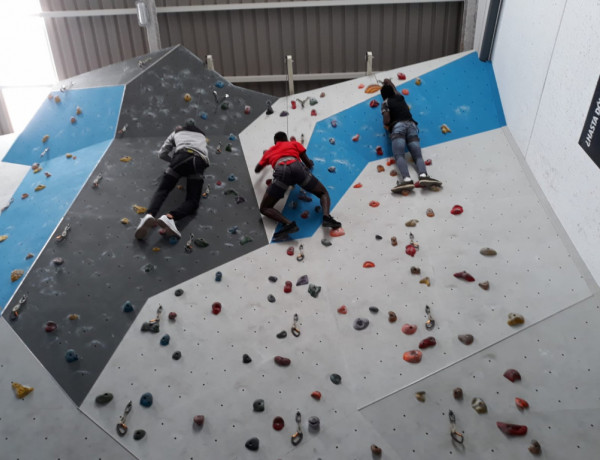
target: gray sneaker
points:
(403, 185)
(169, 226)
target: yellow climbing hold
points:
(73, 316)
(69, 155)
(125, 159)
(21, 390)
(40, 187)
(187, 97)
(411, 223)
(3, 238)
(139, 209)
(155, 249)
(445, 129)
(16, 274)
(37, 170)
(125, 221)
(57, 99)
(78, 111)
(426, 281)
(418, 82)
(45, 138)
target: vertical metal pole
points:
(210, 65)
(369, 59)
(489, 33)
(290, 73)
(152, 32)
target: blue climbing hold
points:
(231, 178)
(203, 115)
(127, 307)
(164, 341)
(146, 399)
(218, 276)
(71, 356)
(173, 240)
(233, 230)
(219, 84)
(232, 137)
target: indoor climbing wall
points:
(327, 346)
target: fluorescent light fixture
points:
(142, 13)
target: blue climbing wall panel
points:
(29, 222)
(462, 94)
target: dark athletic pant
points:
(185, 165)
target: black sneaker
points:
(429, 181)
(330, 222)
(286, 230)
(404, 185)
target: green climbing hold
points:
(314, 290)
(336, 379)
(104, 398)
(201, 243)
(245, 240)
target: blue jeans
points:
(406, 133)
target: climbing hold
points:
(176, 355)
(146, 399)
(467, 339)
(484, 285)
(427, 343)
(325, 242)
(247, 109)
(73, 316)
(28, 256)
(313, 113)
(302, 280)
(45, 138)
(138, 434)
(510, 429)
(380, 168)
(487, 252)
(125, 159)
(333, 123)
(376, 450)
(428, 162)
(411, 223)
(258, 405)
(316, 395)
(305, 214)
(282, 335)
(148, 267)
(21, 390)
(165, 339)
(521, 404)
(372, 89)
(24, 195)
(331, 169)
(57, 99)
(378, 237)
(373, 103)
(379, 150)
(199, 420)
(342, 310)
(313, 101)
(314, 423)
(73, 120)
(78, 111)
(465, 276)
(409, 329)
(58, 261)
(225, 105)
(415, 270)
(124, 221)
(272, 279)
(425, 281)
(457, 393)
(252, 444)
(278, 423)
(50, 326)
(401, 76)
(40, 187)
(282, 361)
(232, 178)
(283, 113)
(200, 242)
(392, 317)
(412, 356)
(456, 210)
(271, 298)
(127, 307)
(336, 379)
(290, 251)
(394, 241)
(411, 250)
(535, 448)
(332, 141)
(139, 209)
(360, 324)
(104, 398)
(172, 315)
(514, 319)
(420, 395)
(246, 359)
(187, 97)
(337, 232)
(216, 308)
(368, 264)
(314, 290)
(445, 129)
(71, 356)
(479, 405)
(374, 203)
(178, 292)
(218, 276)
(512, 375)
(418, 81)
(374, 309)
(288, 287)
(429, 212)
(355, 138)
(361, 86)
(405, 92)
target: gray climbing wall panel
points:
(104, 266)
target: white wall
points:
(547, 64)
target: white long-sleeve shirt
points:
(184, 140)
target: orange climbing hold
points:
(521, 404)
(355, 138)
(380, 168)
(372, 89)
(368, 264)
(337, 232)
(45, 138)
(374, 204)
(412, 356)
(405, 92)
(390, 162)
(357, 185)
(361, 86)
(342, 310)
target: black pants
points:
(185, 165)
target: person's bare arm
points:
(307, 161)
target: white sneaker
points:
(146, 223)
(169, 226)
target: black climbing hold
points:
(178, 292)
(282, 335)
(360, 323)
(271, 298)
(373, 309)
(127, 307)
(146, 399)
(218, 276)
(269, 108)
(378, 237)
(272, 279)
(138, 434)
(258, 405)
(302, 280)
(317, 209)
(150, 327)
(246, 359)
(336, 379)
(104, 398)
(314, 423)
(252, 444)
(165, 339)
(201, 243)
(176, 355)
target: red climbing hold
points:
(427, 342)
(356, 137)
(342, 310)
(361, 86)
(465, 276)
(368, 264)
(456, 210)
(512, 375)
(333, 123)
(278, 424)
(304, 215)
(390, 162)
(357, 185)
(411, 250)
(373, 103)
(50, 326)
(281, 361)
(428, 162)
(409, 329)
(412, 356)
(337, 232)
(216, 308)
(417, 184)
(290, 251)
(172, 316)
(512, 430)
(293, 104)
(288, 287)
(379, 150)
(313, 113)
(247, 110)
(401, 76)
(521, 404)
(316, 395)
(405, 92)
(374, 203)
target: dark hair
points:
(280, 137)
(189, 125)
(387, 91)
